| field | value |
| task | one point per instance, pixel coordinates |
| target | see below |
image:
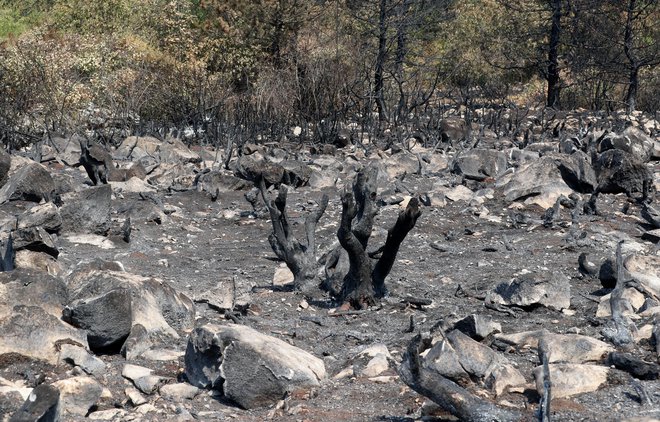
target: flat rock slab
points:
(251, 368)
(575, 348)
(570, 379)
(552, 291)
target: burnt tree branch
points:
(447, 394)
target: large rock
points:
(645, 270)
(462, 359)
(45, 215)
(31, 288)
(633, 141)
(619, 172)
(577, 172)
(250, 368)
(550, 290)
(36, 334)
(217, 181)
(575, 348)
(35, 239)
(77, 395)
(480, 164)
(540, 183)
(87, 211)
(572, 379)
(251, 169)
(31, 182)
(5, 165)
(121, 309)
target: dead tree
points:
(364, 280)
(300, 258)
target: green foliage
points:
(267, 64)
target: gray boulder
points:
(118, 309)
(78, 395)
(551, 290)
(31, 182)
(217, 181)
(619, 172)
(251, 169)
(36, 333)
(34, 239)
(45, 215)
(540, 182)
(250, 368)
(577, 172)
(480, 164)
(31, 288)
(633, 141)
(87, 211)
(461, 359)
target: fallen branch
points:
(447, 394)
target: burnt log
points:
(447, 394)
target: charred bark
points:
(365, 280)
(299, 257)
(447, 394)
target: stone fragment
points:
(78, 356)
(46, 216)
(480, 163)
(178, 392)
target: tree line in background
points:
(241, 69)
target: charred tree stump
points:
(447, 394)
(365, 280)
(299, 257)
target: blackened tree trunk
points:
(365, 280)
(553, 78)
(379, 71)
(299, 257)
(633, 81)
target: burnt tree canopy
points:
(363, 282)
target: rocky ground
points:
(201, 237)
